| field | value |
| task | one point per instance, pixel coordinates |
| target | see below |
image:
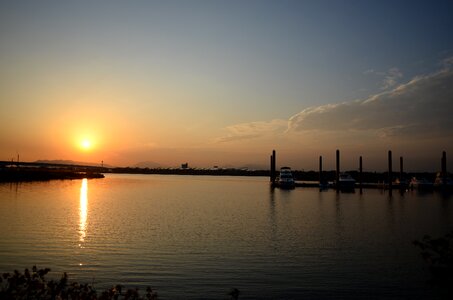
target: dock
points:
(23, 172)
(365, 180)
(331, 185)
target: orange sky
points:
(211, 85)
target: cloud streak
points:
(253, 130)
(421, 107)
(391, 78)
(417, 110)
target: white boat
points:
(443, 181)
(346, 181)
(402, 183)
(286, 179)
(420, 184)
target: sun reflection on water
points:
(83, 211)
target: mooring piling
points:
(270, 169)
(360, 174)
(390, 172)
(337, 175)
(320, 170)
(273, 170)
(386, 181)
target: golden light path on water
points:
(83, 211)
(195, 236)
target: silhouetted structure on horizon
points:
(383, 180)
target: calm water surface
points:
(198, 237)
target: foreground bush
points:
(33, 285)
(438, 253)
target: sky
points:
(225, 82)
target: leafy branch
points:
(438, 253)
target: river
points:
(197, 237)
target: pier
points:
(364, 180)
(32, 171)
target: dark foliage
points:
(33, 285)
(44, 174)
(234, 293)
(438, 253)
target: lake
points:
(196, 237)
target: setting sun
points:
(85, 144)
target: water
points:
(197, 237)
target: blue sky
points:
(196, 71)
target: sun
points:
(85, 144)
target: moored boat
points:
(346, 182)
(420, 184)
(443, 182)
(402, 184)
(286, 180)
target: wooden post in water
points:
(320, 171)
(271, 175)
(360, 174)
(444, 164)
(337, 175)
(273, 167)
(390, 172)
(270, 169)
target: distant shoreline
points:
(43, 174)
(16, 172)
(369, 177)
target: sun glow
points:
(85, 144)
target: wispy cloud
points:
(369, 71)
(447, 62)
(389, 78)
(252, 130)
(418, 110)
(420, 107)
